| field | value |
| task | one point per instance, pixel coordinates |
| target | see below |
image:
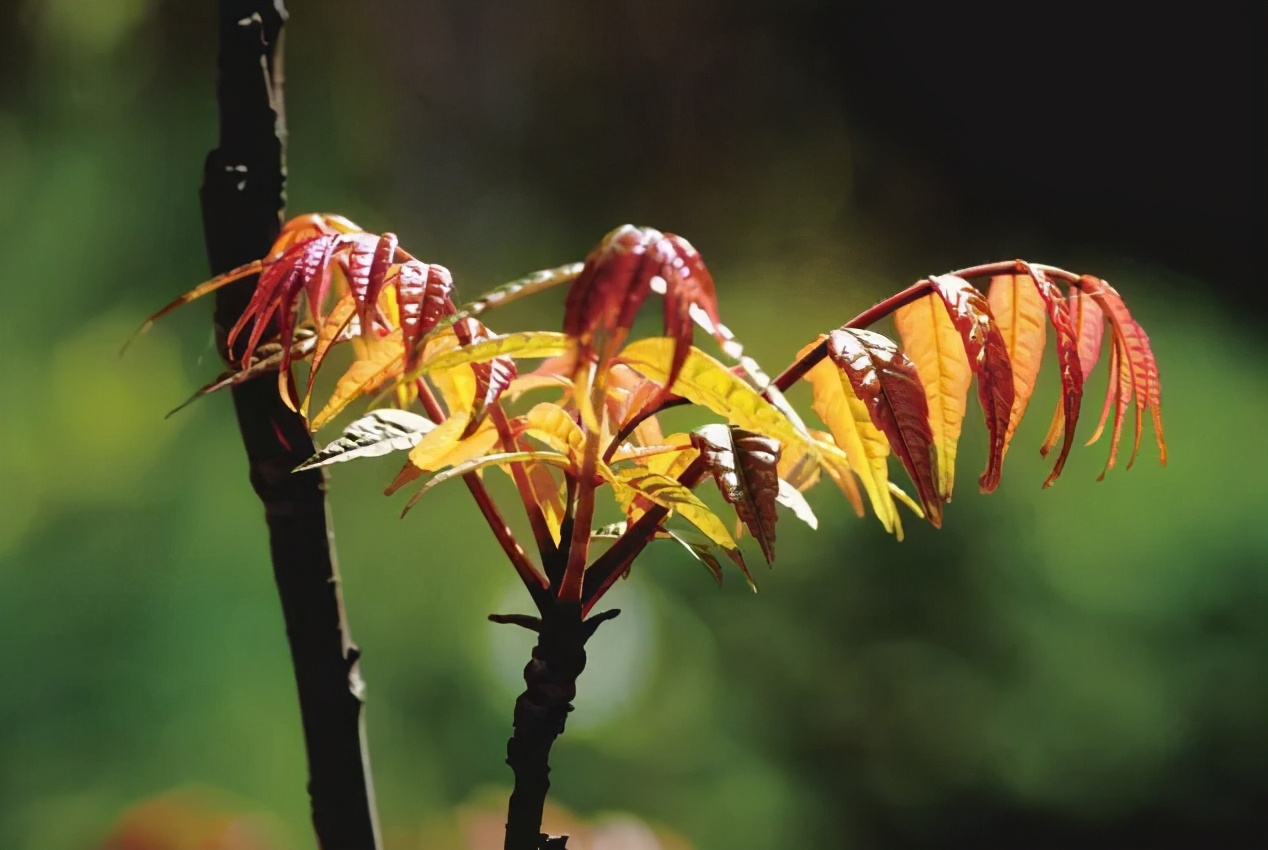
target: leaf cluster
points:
(445, 389)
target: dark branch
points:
(243, 199)
(540, 713)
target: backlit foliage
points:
(441, 387)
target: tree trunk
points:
(243, 201)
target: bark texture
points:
(243, 202)
(540, 713)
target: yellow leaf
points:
(383, 360)
(555, 426)
(668, 493)
(443, 446)
(527, 344)
(707, 382)
(673, 463)
(338, 319)
(456, 385)
(546, 493)
(837, 464)
(934, 344)
(1022, 317)
(852, 429)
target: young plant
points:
(445, 389)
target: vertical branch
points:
(540, 713)
(243, 198)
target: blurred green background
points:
(1085, 666)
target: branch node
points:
(591, 625)
(524, 621)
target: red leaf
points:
(492, 377)
(744, 465)
(1137, 373)
(689, 298)
(424, 297)
(613, 284)
(1068, 359)
(988, 356)
(1089, 326)
(384, 256)
(314, 267)
(621, 272)
(886, 381)
(279, 286)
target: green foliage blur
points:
(1080, 662)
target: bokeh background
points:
(1085, 666)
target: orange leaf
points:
(1137, 372)
(887, 382)
(988, 358)
(932, 342)
(866, 448)
(1021, 316)
(1068, 360)
(384, 360)
(330, 331)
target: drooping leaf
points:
(850, 422)
(1071, 372)
(697, 545)
(791, 498)
(424, 296)
(268, 358)
(545, 492)
(385, 252)
(668, 493)
(618, 275)
(377, 433)
(836, 463)
(1087, 322)
(383, 361)
(612, 285)
(475, 464)
(743, 464)
(330, 331)
(1089, 326)
(1021, 316)
(988, 358)
(1137, 367)
(932, 342)
(702, 549)
(886, 381)
(690, 298)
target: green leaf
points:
(377, 433)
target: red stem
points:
(873, 314)
(612, 564)
(532, 577)
(536, 519)
(570, 588)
